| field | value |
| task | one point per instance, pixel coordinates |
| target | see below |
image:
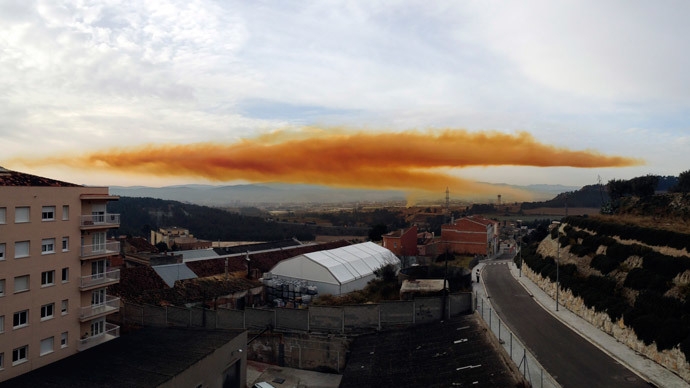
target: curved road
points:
(569, 358)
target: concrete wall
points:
(313, 338)
(326, 319)
(321, 319)
(293, 319)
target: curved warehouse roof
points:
(337, 266)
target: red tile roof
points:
(14, 178)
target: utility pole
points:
(558, 259)
(520, 247)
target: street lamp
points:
(520, 247)
(558, 259)
(557, 225)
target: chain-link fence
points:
(528, 365)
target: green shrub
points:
(604, 264)
(671, 333)
(638, 279)
(646, 327)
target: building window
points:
(98, 297)
(65, 212)
(2, 251)
(97, 327)
(2, 361)
(21, 249)
(65, 307)
(21, 283)
(20, 319)
(48, 213)
(2, 287)
(47, 278)
(47, 246)
(3, 215)
(65, 244)
(21, 214)
(20, 355)
(47, 346)
(63, 340)
(2, 324)
(47, 311)
(98, 240)
(65, 275)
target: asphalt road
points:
(569, 358)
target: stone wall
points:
(673, 359)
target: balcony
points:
(111, 332)
(111, 305)
(99, 280)
(108, 249)
(99, 221)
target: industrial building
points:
(336, 271)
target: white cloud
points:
(577, 74)
(614, 50)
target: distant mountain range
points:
(278, 193)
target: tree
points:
(387, 273)
(377, 231)
(162, 247)
(683, 185)
(644, 186)
(617, 188)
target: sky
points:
(169, 92)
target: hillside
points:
(592, 196)
(258, 194)
(140, 215)
(669, 211)
(630, 281)
(292, 194)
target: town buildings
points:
(179, 238)
(402, 242)
(471, 235)
(54, 270)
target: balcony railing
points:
(111, 305)
(100, 279)
(100, 220)
(109, 248)
(111, 332)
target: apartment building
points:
(54, 270)
(471, 235)
(402, 242)
(179, 238)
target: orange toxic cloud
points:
(408, 160)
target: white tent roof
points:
(344, 264)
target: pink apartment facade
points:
(54, 270)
